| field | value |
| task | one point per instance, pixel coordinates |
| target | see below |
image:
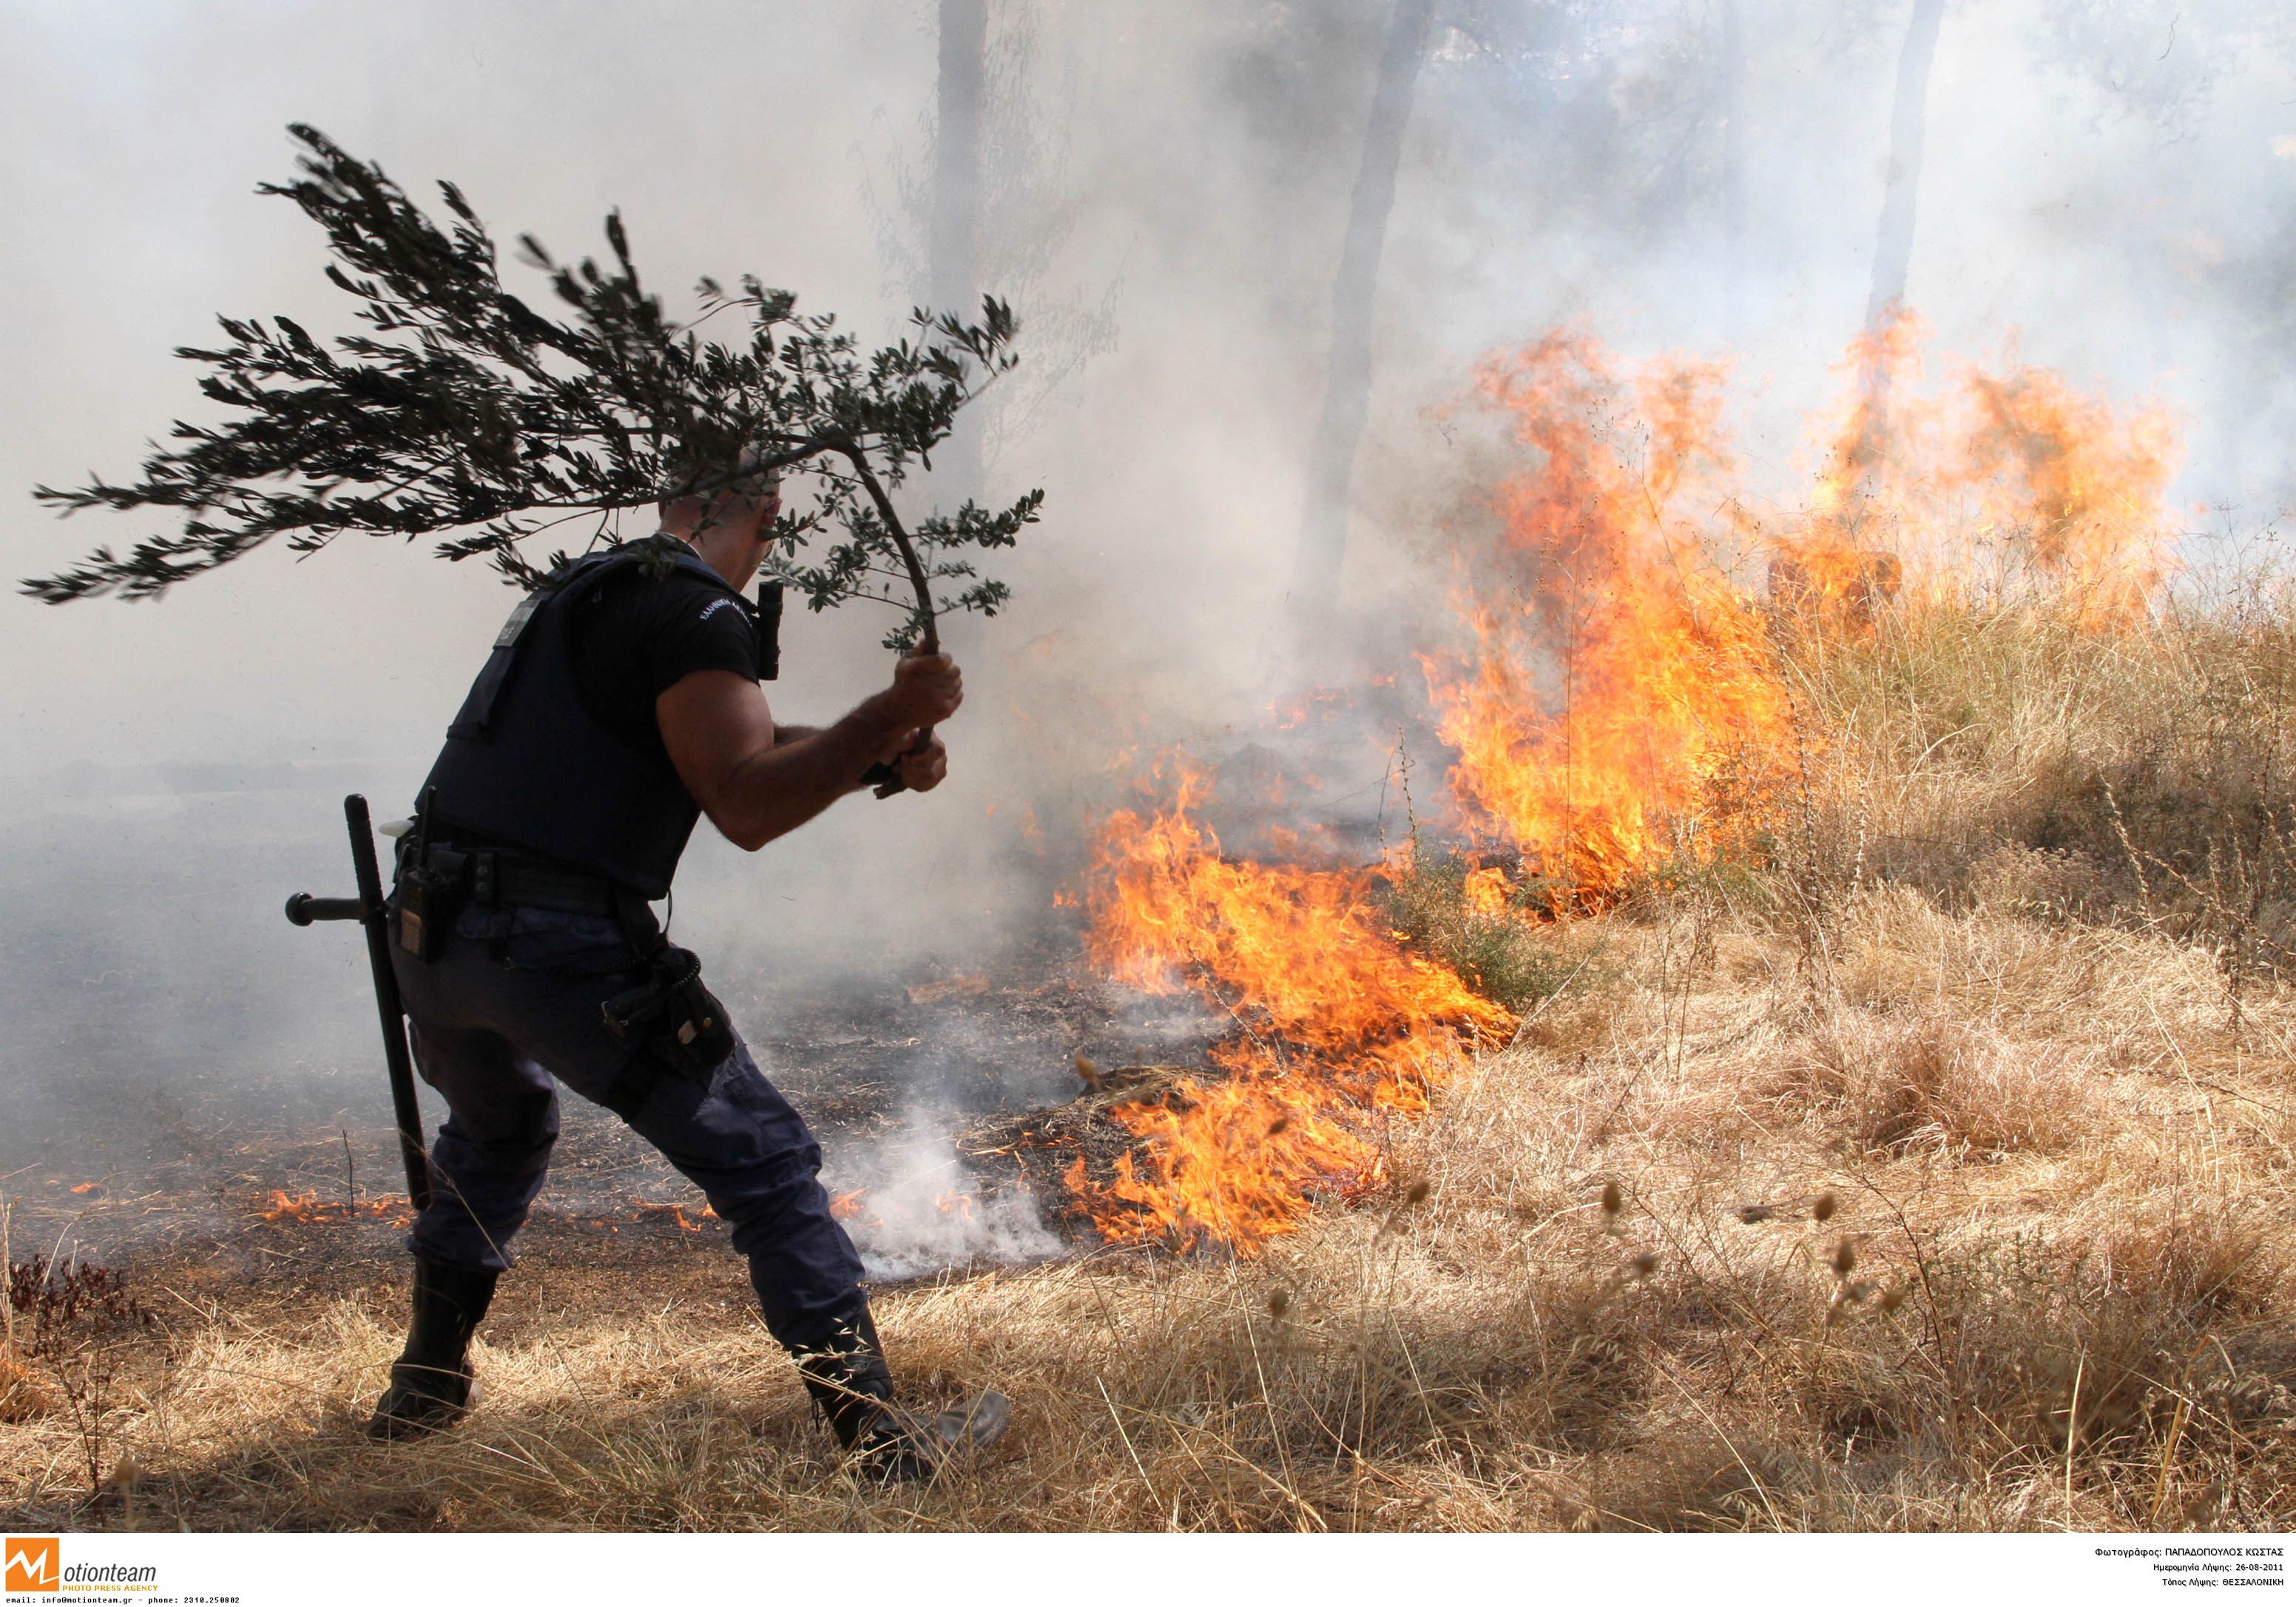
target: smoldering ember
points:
(1563, 799)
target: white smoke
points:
(913, 1208)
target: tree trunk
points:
(1346, 387)
(954, 250)
(1733, 174)
(1893, 248)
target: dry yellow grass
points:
(1940, 1180)
(2061, 1180)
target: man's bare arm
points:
(920, 766)
(754, 783)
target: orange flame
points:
(1337, 1026)
(1288, 714)
(1623, 701)
(308, 1209)
(1487, 889)
(671, 1208)
(1866, 511)
(2013, 487)
(1616, 700)
(2080, 493)
(1620, 681)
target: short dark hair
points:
(685, 476)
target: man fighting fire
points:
(621, 702)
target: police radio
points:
(427, 889)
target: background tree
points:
(1733, 172)
(1893, 243)
(1602, 108)
(953, 247)
(992, 203)
(466, 407)
(1347, 386)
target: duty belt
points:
(499, 877)
(496, 879)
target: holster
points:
(670, 1018)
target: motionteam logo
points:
(32, 1564)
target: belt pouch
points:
(671, 1018)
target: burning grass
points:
(1623, 713)
(1606, 1287)
(1341, 1028)
(1823, 1064)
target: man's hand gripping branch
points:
(757, 782)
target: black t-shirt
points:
(634, 637)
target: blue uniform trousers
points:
(509, 1005)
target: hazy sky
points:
(2120, 220)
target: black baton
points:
(367, 910)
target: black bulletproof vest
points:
(527, 764)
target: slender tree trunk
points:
(1893, 245)
(1347, 388)
(954, 249)
(1893, 248)
(1734, 173)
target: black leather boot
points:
(431, 1384)
(846, 1376)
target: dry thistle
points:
(1089, 1072)
(1751, 1214)
(1892, 1297)
(1613, 1199)
(1845, 1258)
(1278, 1125)
(1279, 1303)
(1416, 1194)
(1821, 1208)
(1643, 1264)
